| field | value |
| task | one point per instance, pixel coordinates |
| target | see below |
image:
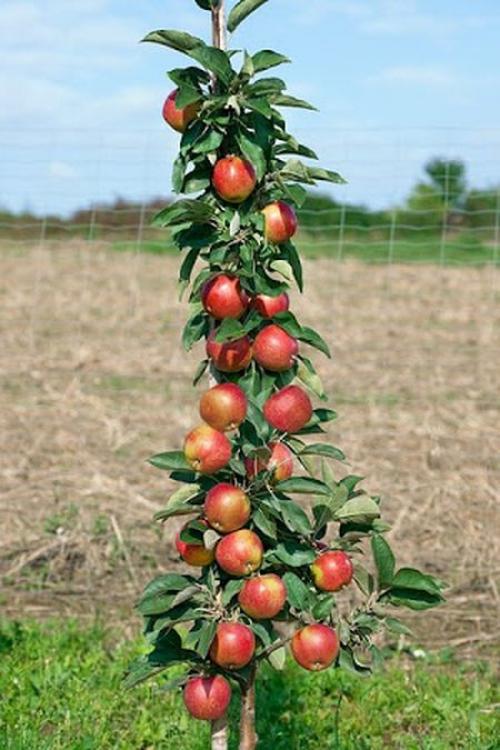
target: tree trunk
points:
(219, 26)
(219, 734)
(248, 736)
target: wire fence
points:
(105, 187)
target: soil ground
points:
(93, 381)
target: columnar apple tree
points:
(267, 568)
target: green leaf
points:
(303, 485)
(178, 40)
(298, 594)
(178, 172)
(188, 264)
(325, 175)
(229, 330)
(293, 259)
(254, 153)
(351, 482)
(277, 658)
(296, 193)
(328, 507)
(200, 371)
(264, 632)
(187, 95)
(170, 582)
(292, 553)
(209, 142)
(242, 10)
(216, 61)
(266, 87)
(323, 449)
(266, 59)
(348, 662)
(194, 330)
(384, 560)
(169, 461)
(325, 415)
(207, 633)
(411, 598)
(309, 336)
(295, 170)
(168, 650)
(323, 608)
(232, 588)
(361, 508)
(364, 579)
(310, 379)
(295, 517)
(181, 503)
(260, 105)
(264, 523)
(139, 671)
(191, 75)
(184, 212)
(396, 626)
(284, 100)
(409, 578)
(163, 594)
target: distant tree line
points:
(441, 200)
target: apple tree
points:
(268, 571)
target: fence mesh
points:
(93, 378)
(107, 186)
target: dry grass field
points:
(93, 381)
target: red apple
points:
(240, 553)
(332, 571)
(194, 554)
(224, 407)
(233, 645)
(207, 450)
(207, 698)
(222, 297)
(263, 597)
(280, 463)
(274, 349)
(227, 508)
(234, 179)
(232, 356)
(315, 647)
(280, 222)
(268, 306)
(288, 410)
(179, 117)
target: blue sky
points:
(397, 81)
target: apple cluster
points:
(239, 551)
(256, 557)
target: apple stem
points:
(219, 734)
(248, 736)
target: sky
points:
(396, 82)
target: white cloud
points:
(417, 76)
(398, 17)
(62, 170)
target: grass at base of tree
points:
(60, 690)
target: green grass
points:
(465, 249)
(60, 689)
